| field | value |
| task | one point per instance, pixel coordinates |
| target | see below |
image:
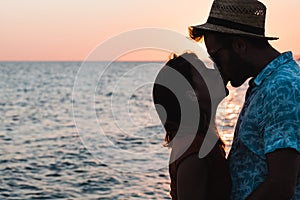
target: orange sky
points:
(69, 29)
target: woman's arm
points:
(192, 178)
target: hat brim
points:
(207, 27)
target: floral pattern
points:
(269, 120)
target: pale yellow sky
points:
(70, 29)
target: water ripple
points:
(42, 156)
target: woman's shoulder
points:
(209, 175)
(182, 147)
(181, 150)
(193, 164)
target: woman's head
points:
(170, 91)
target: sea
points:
(74, 130)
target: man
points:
(264, 158)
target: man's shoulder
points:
(286, 76)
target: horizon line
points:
(3, 61)
(296, 57)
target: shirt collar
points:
(271, 67)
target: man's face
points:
(228, 62)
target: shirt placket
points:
(241, 118)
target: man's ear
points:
(239, 45)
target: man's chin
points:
(235, 84)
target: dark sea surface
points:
(66, 132)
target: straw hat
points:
(241, 17)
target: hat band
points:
(235, 25)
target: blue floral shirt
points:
(269, 120)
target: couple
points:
(264, 159)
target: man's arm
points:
(192, 178)
(280, 184)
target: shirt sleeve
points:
(282, 116)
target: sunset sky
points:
(67, 30)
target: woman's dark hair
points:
(171, 115)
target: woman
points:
(191, 177)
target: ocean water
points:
(74, 131)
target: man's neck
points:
(262, 59)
